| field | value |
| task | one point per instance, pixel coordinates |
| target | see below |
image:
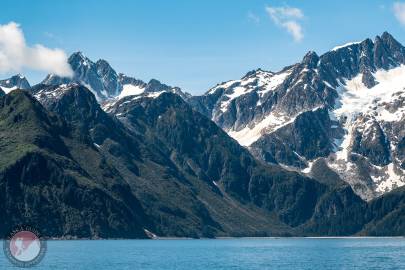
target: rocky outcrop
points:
(15, 82)
(308, 137)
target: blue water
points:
(246, 254)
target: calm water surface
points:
(283, 253)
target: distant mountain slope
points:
(345, 105)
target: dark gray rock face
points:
(363, 58)
(99, 77)
(124, 79)
(309, 136)
(15, 82)
(373, 144)
(109, 77)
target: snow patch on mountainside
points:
(8, 89)
(389, 180)
(345, 45)
(108, 105)
(131, 90)
(237, 92)
(259, 80)
(269, 82)
(356, 100)
(224, 85)
(357, 108)
(271, 123)
(51, 94)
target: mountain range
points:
(316, 149)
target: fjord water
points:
(246, 254)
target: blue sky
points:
(196, 44)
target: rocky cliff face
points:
(343, 106)
(15, 82)
(99, 77)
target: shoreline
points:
(225, 238)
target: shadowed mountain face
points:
(176, 202)
(200, 148)
(161, 166)
(46, 184)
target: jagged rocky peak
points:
(15, 82)
(394, 46)
(79, 59)
(156, 86)
(124, 79)
(365, 58)
(311, 59)
(100, 78)
(104, 82)
(256, 72)
(111, 79)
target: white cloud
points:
(288, 18)
(399, 12)
(15, 54)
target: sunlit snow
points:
(269, 124)
(131, 90)
(345, 45)
(8, 89)
(358, 107)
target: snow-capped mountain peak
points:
(345, 107)
(103, 81)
